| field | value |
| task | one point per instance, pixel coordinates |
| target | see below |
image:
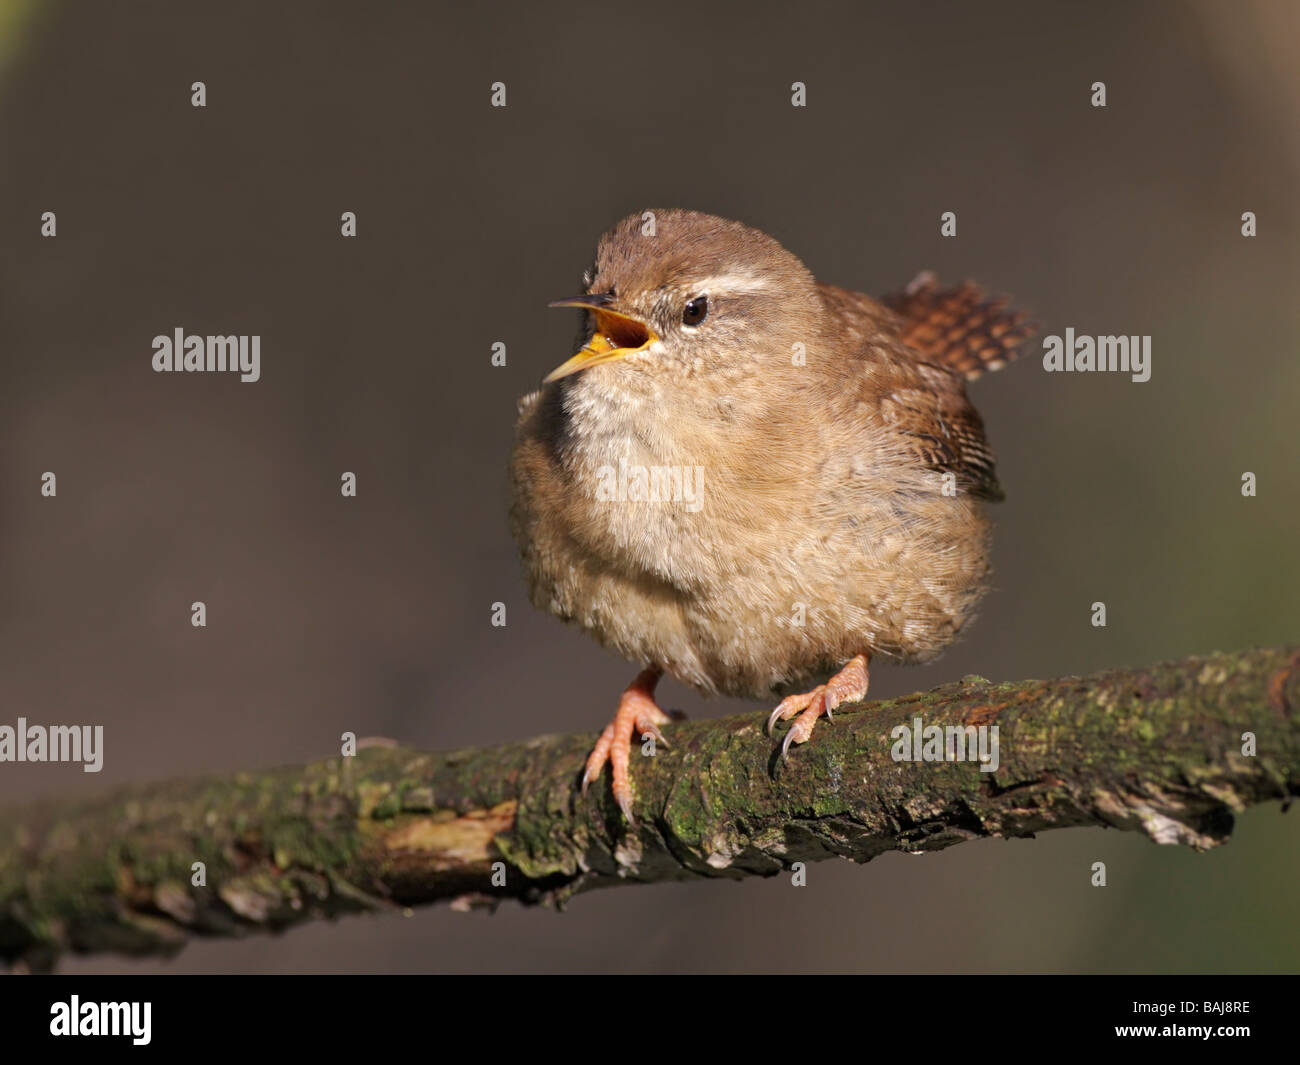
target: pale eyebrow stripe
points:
(726, 283)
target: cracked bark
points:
(1156, 750)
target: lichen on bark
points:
(1156, 750)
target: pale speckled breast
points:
(744, 598)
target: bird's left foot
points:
(847, 686)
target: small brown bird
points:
(753, 480)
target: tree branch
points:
(1156, 750)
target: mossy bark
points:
(1156, 750)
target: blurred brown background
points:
(372, 615)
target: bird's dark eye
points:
(695, 311)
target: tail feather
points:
(958, 328)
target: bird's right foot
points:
(637, 712)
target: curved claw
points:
(772, 719)
(785, 747)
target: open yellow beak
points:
(617, 336)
